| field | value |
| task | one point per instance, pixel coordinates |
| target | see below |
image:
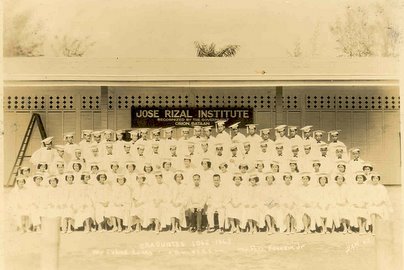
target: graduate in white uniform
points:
(235, 135)
(305, 192)
(43, 168)
(221, 135)
(139, 198)
(168, 139)
(341, 192)
(131, 173)
(265, 133)
(156, 203)
(252, 137)
(265, 154)
(270, 212)
(294, 138)
(134, 137)
(355, 163)
(94, 169)
(288, 204)
(218, 156)
(249, 154)
(155, 156)
(338, 153)
(156, 137)
(37, 194)
(70, 145)
(226, 177)
(149, 174)
(126, 154)
(185, 135)
(234, 207)
(216, 202)
(282, 138)
(46, 153)
(53, 199)
(85, 143)
(188, 170)
(145, 141)
(197, 197)
(140, 157)
(95, 154)
(120, 203)
(325, 211)
(251, 203)
(69, 201)
(61, 157)
(168, 172)
(196, 139)
(102, 201)
(20, 204)
(97, 139)
(207, 134)
(175, 158)
(206, 173)
(281, 156)
(236, 157)
(379, 202)
(334, 142)
(326, 161)
(367, 168)
(318, 141)
(307, 135)
(358, 199)
(119, 142)
(177, 202)
(85, 205)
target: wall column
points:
(279, 105)
(104, 107)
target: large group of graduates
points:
(201, 182)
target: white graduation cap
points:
(234, 126)
(86, 132)
(133, 133)
(295, 147)
(207, 128)
(187, 157)
(156, 131)
(218, 145)
(47, 140)
(220, 123)
(68, 135)
(303, 174)
(320, 132)
(167, 130)
(280, 128)
(185, 129)
(97, 133)
(60, 147)
(306, 129)
(323, 146)
(197, 128)
(291, 128)
(333, 133)
(233, 146)
(140, 146)
(293, 161)
(248, 126)
(265, 131)
(278, 145)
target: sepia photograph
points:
(201, 134)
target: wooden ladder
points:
(35, 118)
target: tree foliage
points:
(23, 36)
(209, 50)
(69, 46)
(366, 31)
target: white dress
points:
(305, 205)
(85, 205)
(37, 198)
(156, 204)
(139, 198)
(102, 201)
(177, 203)
(325, 205)
(358, 200)
(251, 202)
(20, 203)
(234, 208)
(121, 199)
(269, 203)
(379, 201)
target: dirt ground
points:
(146, 250)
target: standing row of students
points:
(245, 182)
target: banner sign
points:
(188, 117)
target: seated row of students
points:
(277, 202)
